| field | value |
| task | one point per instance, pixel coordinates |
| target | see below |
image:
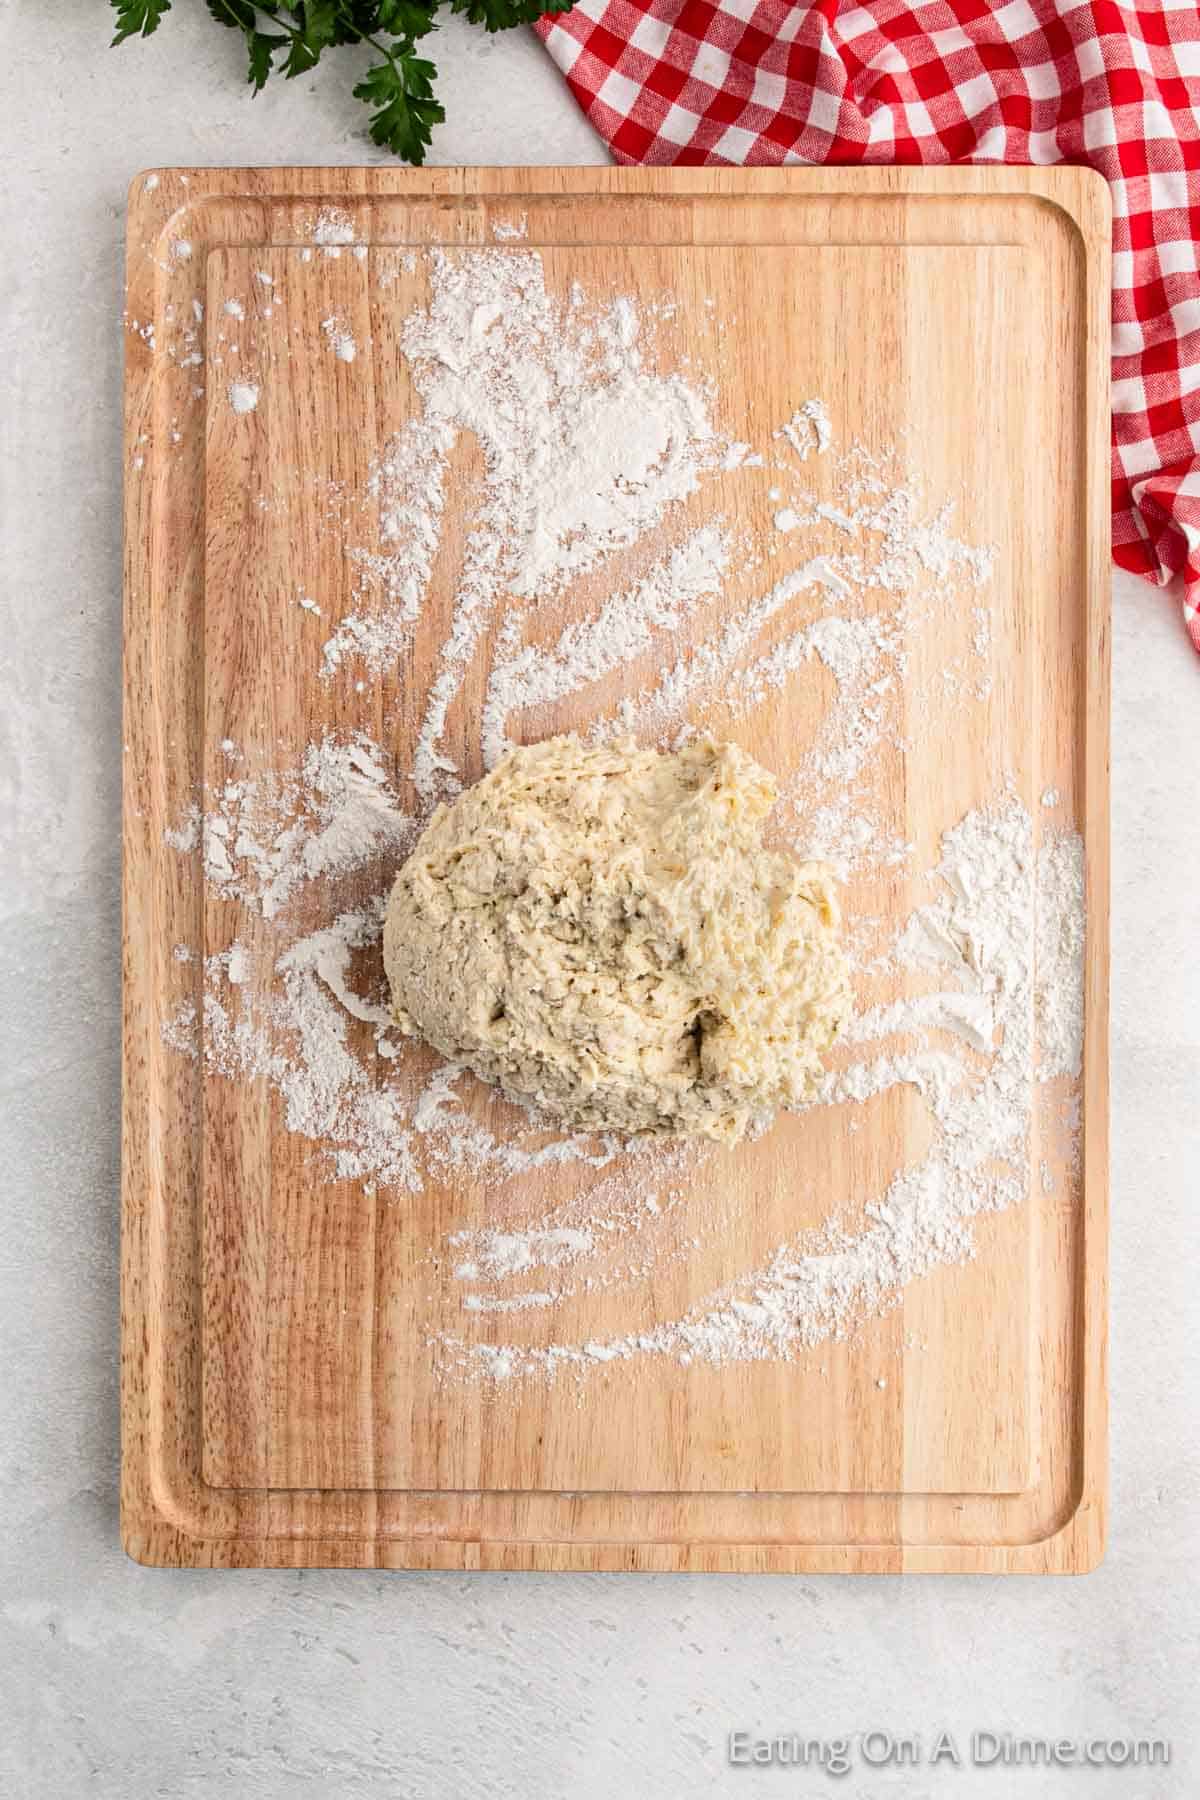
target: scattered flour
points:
(1060, 945)
(623, 629)
(500, 1253)
(808, 430)
(185, 836)
(263, 837)
(333, 226)
(340, 338)
(584, 445)
(587, 440)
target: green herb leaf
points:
(315, 29)
(409, 19)
(502, 15)
(318, 21)
(402, 90)
(261, 48)
(353, 20)
(138, 18)
(301, 57)
(239, 15)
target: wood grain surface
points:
(279, 1402)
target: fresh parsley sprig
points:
(289, 37)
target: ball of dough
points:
(598, 931)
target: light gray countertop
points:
(128, 1683)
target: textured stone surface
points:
(128, 1683)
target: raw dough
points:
(599, 932)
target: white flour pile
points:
(591, 454)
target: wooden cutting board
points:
(280, 1402)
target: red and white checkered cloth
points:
(1109, 83)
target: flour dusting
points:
(263, 837)
(585, 448)
(333, 226)
(339, 338)
(808, 430)
(604, 573)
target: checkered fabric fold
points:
(1115, 86)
